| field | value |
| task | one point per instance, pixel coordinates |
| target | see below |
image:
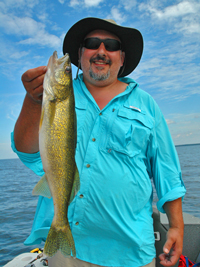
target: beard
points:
(99, 76)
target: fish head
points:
(58, 78)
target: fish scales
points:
(57, 140)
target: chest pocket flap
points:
(136, 114)
(130, 131)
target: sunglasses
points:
(94, 43)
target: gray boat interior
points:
(191, 242)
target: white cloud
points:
(183, 17)
(26, 26)
(129, 4)
(117, 15)
(178, 10)
(18, 4)
(170, 80)
(185, 129)
(13, 111)
(169, 121)
(43, 39)
(19, 54)
(20, 26)
(85, 3)
(90, 3)
(74, 3)
(17, 25)
(2, 6)
(188, 25)
(169, 69)
(9, 54)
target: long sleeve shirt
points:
(120, 150)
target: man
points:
(122, 142)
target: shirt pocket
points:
(130, 132)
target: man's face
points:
(99, 64)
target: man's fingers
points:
(33, 82)
(33, 78)
(172, 250)
(36, 94)
(168, 259)
(35, 88)
(168, 245)
(31, 74)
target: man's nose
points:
(102, 49)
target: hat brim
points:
(131, 39)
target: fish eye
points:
(68, 69)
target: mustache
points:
(102, 58)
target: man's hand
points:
(172, 248)
(174, 244)
(27, 126)
(33, 82)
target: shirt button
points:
(100, 113)
(93, 139)
(81, 196)
(77, 223)
(88, 165)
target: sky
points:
(31, 30)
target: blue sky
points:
(30, 30)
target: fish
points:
(57, 144)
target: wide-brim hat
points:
(131, 39)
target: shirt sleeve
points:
(164, 166)
(32, 161)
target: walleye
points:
(57, 142)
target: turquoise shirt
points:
(119, 150)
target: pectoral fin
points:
(42, 188)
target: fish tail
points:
(60, 238)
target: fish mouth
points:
(65, 62)
(64, 58)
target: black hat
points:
(131, 39)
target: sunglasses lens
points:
(94, 43)
(112, 45)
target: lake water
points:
(17, 204)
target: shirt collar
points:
(81, 100)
